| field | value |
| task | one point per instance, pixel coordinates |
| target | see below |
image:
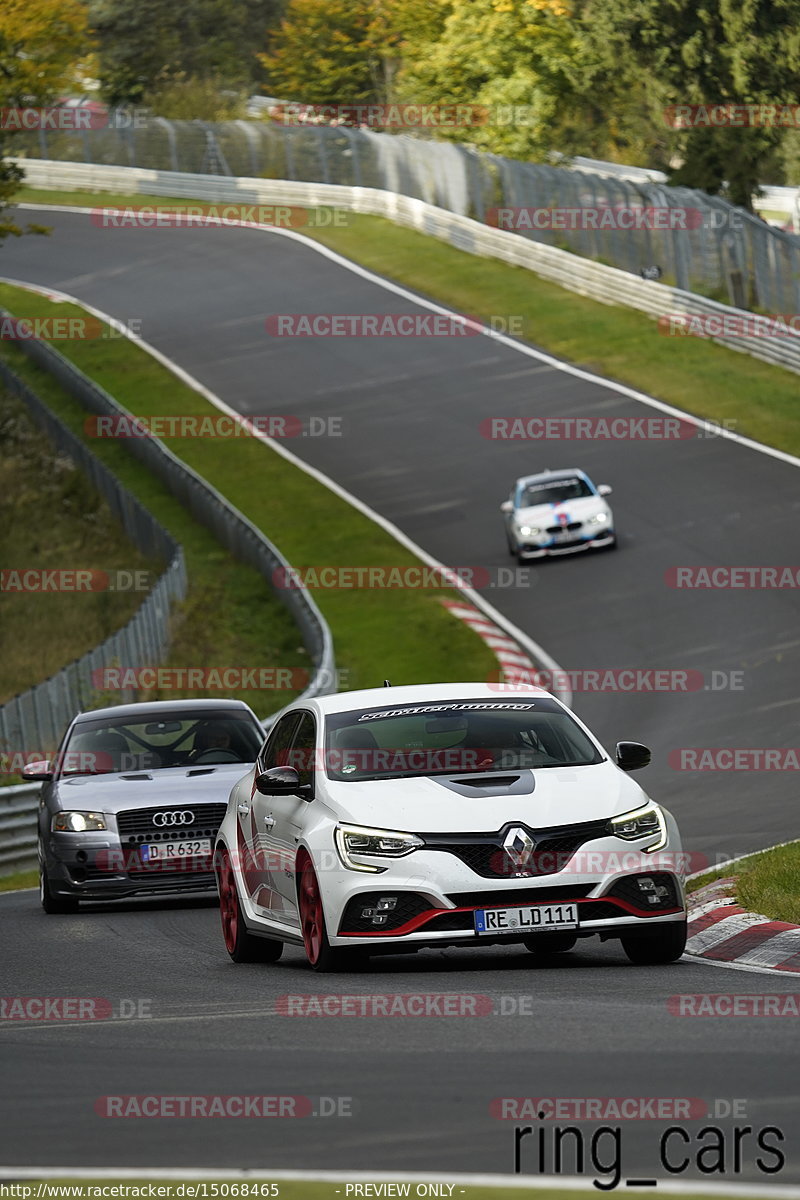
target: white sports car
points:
(384, 821)
(557, 512)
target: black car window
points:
(275, 753)
(301, 755)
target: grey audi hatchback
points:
(133, 800)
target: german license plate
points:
(530, 919)
(563, 535)
(175, 851)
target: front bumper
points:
(95, 866)
(553, 549)
(439, 907)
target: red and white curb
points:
(515, 664)
(722, 931)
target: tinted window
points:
(277, 748)
(453, 737)
(155, 741)
(301, 754)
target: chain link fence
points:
(719, 251)
(34, 721)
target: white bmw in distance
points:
(557, 512)
(388, 820)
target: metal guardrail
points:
(18, 808)
(232, 529)
(726, 253)
(44, 711)
(33, 721)
(582, 275)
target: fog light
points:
(646, 884)
(655, 893)
(386, 903)
(367, 912)
(380, 920)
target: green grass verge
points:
(710, 381)
(19, 880)
(52, 518)
(404, 634)
(766, 883)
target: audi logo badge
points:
(182, 817)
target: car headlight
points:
(598, 519)
(78, 822)
(641, 823)
(381, 843)
(529, 530)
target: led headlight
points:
(529, 530)
(78, 822)
(598, 519)
(379, 843)
(641, 823)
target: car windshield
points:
(453, 737)
(555, 491)
(155, 741)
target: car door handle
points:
(269, 820)
(243, 808)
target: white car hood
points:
(554, 514)
(561, 796)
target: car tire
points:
(662, 944)
(321, 955)
(550, 943)
(51, 902)
(242, 945)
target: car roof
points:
(161, 708)
(421, 693)
(563, 473)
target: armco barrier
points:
(235, 532)
(36, 719)
(39, 717)
(582, 275)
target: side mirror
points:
(506, 507)
(282, 781)
(40, 771)
(632, 756)
(603, 489)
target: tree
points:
(344, 51)
(706, 52)
(151, 44)
(509, 57)
(41, 47)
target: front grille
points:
(407, 906)
(571, 525)
(137, 826)
(484, 853)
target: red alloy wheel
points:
(311, 916)
(228, 903)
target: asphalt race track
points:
(411, 448)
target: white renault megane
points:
(440, 815)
